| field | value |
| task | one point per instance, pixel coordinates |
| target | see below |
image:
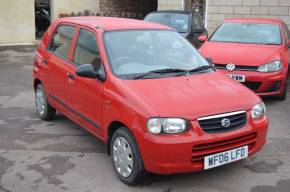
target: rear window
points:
(176, 20)
(248, 33)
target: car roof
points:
(171, 11)
(254, 20)
(112, 23)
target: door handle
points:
(70, 76)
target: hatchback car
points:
(253, 51)
(148, 94)
(189, 25)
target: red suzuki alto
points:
(255, 52)
(146, 92)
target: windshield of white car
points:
(135, 52)
(248, 33)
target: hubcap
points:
(40, 101)
(123, 157)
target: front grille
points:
(224, 122)
(201, 150)
(252, 85)
(238, 67)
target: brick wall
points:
(141, 6)
(133, 6)
(218, 10)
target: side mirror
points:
(87, 71)
(210, 61)
(202, 38)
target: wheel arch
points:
(35, 83)
(114, 126)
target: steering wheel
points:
(121, 60)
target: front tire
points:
(126, 158)
(44, 110)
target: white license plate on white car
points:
(240, 78)
(226, 157)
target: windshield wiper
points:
(160, 71)
(197, 69)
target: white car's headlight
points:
(258, 111)
(166, 125)
(271, 67)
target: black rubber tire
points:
(139, 174)
(49, 112)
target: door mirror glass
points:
(88, 71)
(202, 38)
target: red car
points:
(146, 92)
(253, 51)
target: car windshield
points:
(248, 33)
(135, 52)
(176, 20)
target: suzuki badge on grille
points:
(226, 123)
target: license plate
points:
(240, 78)
(226, 157)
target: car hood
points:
(241, 54)
(193, 96)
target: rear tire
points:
(44, 110)
(127, 161)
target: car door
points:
(85, 95)
(56, 59)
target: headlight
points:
(271, 67)
(166, 125)
(258, 111)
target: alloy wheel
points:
(40, 101)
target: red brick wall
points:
(129, 6)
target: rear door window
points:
(62, 40)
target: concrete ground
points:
(61, 156)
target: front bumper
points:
(170, 154)
(264, 84)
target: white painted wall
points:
(17, 23)
(68, 6)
